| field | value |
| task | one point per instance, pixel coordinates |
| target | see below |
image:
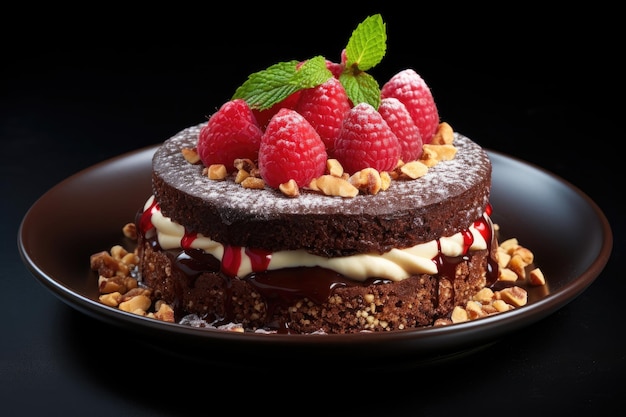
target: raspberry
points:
(366, 140)
(337, 68)
(232, 132)
(325, 107)
(408, 87)
(399, 120)
(263, 116)
(291, 149)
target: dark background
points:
(80, 86)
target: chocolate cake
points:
(316, 201)
(402, 258)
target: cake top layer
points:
(446, 200)
(445, 181)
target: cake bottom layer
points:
(331, 305)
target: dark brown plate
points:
(568, 233)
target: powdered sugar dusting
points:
(445, 180)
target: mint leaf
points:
(361, 88)
(368, 44)
(272, 85)
(366, 48)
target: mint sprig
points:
(367, 45)
(366, 48)
(361, 88)
(265, 88)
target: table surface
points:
(65, 107)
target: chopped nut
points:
(253, 182)
(525, 254)
(459, 315)
(104, 263)
(191, 155)
(334, 168)
(112, 299)
(367, 181)
(130, 282)
(536, 277)
(385, 180)
(474, 310)
(506, 274)
(443, 152)
(133, 292)
(515, 296)
(509, 245)
(130, 259)
(334, 186)
(414, 169)
(503, 257)
(290, 188)
(118, 252)
(489, 309)
(217, 172)
(517, 265)
(164, 313)
(242, 174)
(443, 321)
(501, 305)
(245, 164)
(111, 284)
(313, 185)
(443, 135)
(138, 302)
(429, 156)
(484, 296)
(130, 231)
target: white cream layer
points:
(395, 265)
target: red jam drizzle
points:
(483, 226)
(468, 239)
(278, 287)
(187, 240)
(259, 258)
(231, 260)
(145, 221)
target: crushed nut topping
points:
(335, 182)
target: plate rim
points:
(482, 330)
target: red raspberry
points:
(232, 132)
(408, 87)
(325, 107)
(366, 140)
(291, 149)
(263, 116)
(399, 120)
(337, 68)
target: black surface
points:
(540, 86)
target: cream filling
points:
(395, 265)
